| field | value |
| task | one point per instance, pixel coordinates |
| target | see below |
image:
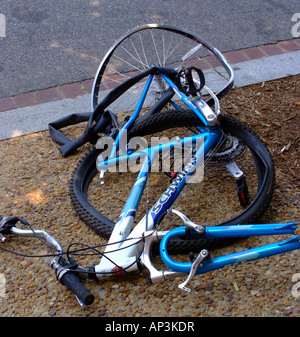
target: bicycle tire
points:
(103, 226)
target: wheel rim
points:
(163, 45)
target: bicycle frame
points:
(130, 249)
(138, 242)
(132, 246)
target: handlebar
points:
(68, 279)
(65, 275)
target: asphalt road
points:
(49, 43)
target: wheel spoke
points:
(155, 47)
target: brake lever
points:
(6, 225)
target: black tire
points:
(102, 225)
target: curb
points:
(74, 90)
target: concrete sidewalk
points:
(32, 112)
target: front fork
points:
(204, 263)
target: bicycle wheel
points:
(213, 201)
(161, 45)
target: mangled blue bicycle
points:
(164, 155)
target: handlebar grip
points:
(72, 282)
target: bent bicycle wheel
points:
(214, 201)
(162, 45)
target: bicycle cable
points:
(69, 252)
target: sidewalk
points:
(31, 112)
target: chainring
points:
(231, 147)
